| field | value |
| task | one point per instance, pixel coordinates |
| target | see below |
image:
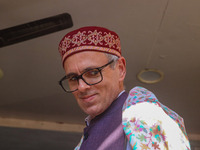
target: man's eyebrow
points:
(89, 68)
(84, 70)
(71, 74)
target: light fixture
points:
(150, 76)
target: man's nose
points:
(82, 86)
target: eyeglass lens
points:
(90, 77)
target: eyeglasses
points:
(93, 76)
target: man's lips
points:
(88, 98)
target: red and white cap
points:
(90, 38)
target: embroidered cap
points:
(90, 38)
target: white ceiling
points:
(160, 34)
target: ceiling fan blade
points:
(34, 29)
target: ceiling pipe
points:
(35, 29)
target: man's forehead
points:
(85, 60)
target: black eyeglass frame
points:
(81, 77)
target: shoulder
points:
(149, 124)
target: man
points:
(95, 72)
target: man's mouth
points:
(88, 98)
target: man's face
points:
(95, 99)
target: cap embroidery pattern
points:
(96, 40)
(95, 37)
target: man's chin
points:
(93, 112)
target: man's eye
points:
(92, 73)
(73, 78)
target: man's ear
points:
(122, 68)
